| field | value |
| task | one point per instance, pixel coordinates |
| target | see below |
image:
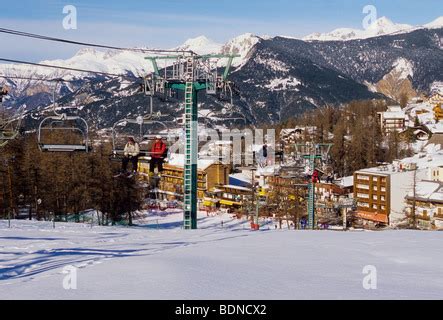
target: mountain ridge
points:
(275, 78)
(380, 27)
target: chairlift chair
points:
(62, 123)
(144, 134)
(8, 131)
(10, 126)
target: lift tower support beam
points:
(191, 74)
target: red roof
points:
(373, 216)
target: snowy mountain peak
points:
(87, 51)
(122, 62)
(381, 26)
(384, 26)
(241, 45)
(381, 23)
(437, 23)
(201, 45)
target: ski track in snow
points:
(214, 263)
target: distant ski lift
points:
(211, 82)
(225, 111)
(225, 92)
(7, 134)
(9, 125)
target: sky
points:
(169, 23)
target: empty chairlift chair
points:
(10, 126)
(63, 133)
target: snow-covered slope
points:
(115, 62)
(164, 262)
(437, 23)
(382, 26)
(201, 45)
(403, 68)
(241, 46)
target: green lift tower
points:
(315, 155)
(191, 74)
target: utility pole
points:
(414, 201)
(11, 201)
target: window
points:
(363, 195)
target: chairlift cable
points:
(48, 38)
(62, 68)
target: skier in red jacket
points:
(315, 176)
(158, 152)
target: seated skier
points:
(158, 155)
(3, 92)
(131, 153)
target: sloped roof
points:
(436, 139)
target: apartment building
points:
(380, 193)
(211, 174)
(425, 205)
(394, 119)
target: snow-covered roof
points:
(435, 127)
(431, 157)
(428, 190)
(237, 188)
(242, 176)
(290, 131)
(347, 182)
(268, 170)
(394, 112)
(178, 160)
(436, 139)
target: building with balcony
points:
(425, 205)
(380, 193)
(211, 175)
(393, 120)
